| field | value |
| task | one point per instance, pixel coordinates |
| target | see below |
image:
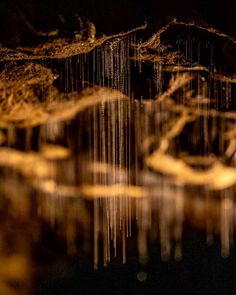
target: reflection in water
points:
(149, 148)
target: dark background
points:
(110, 16)
(202, 270)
